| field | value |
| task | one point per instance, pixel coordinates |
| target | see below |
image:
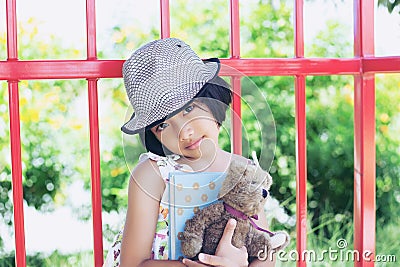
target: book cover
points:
(188, 193)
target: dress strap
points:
(165, 164)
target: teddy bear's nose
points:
(264, 193)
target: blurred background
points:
(55, 134)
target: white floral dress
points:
(160, 242)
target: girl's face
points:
(192, 133)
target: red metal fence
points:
(363, 67)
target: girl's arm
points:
(145, 191)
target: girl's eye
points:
(161, 126)
(188, 109)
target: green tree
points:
(40, 107)
(389, 4)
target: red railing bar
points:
(17, 188)
(234, 29)
(363, 28)
(236, 114)
(292, 66)
(93, 69)
(12, 44)
(381, 64)
(299, 29)
(301, 167)
(94, 138)
(364, 135)
(236, 133)
(301, 145)
(165, 18)
(95, 171)
(364, 167)
(15, 138)
(91, 30)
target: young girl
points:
(179, 105)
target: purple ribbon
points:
(238, 214)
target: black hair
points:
(215, 94)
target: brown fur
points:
(243, 190)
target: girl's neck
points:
(218, 162)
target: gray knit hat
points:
(160, 78)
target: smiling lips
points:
(195, 145)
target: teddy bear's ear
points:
(237, 167)
(266, 177)
(235, 174)
(257, 178)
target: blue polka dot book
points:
(188, 193)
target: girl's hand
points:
(226, 254)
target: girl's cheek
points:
(168, 138)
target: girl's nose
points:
(186, 132)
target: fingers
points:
(212, 260)
(228, 232)
(226, 254)
(190, 263)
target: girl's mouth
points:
(195, 145)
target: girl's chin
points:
(199, 154)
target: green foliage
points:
(331, 42)
(42, 178)
(56, 258)
(387, 239)
(387, 147)
(266, 29)
(199, 17)
(35, 260)
(390, 4)
(115, 172)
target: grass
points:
(81, 259)
(331, 244)
(331, 230)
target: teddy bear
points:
(242, 196)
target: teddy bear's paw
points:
(279, 240)
(191, 245)
(259, 245)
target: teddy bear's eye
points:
(264, 193)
